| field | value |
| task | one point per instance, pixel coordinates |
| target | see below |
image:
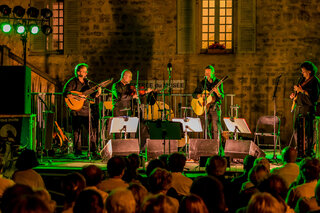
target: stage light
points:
(6, 27)
(5, 10)
(34, 29)
(46, 29)
(19, 11)
(33, 12)
(20, 28)
(46, 13)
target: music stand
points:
(163, 130)
(237, 125)
(189, 125)
(124, 124)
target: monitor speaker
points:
(202, 148)
(120, 147)
(242, 148)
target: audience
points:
(309, 168)
(115, 167)
(121, 200)
(131, 172)
(264, 203)
(276, 186)
(4, 182)
(181, 183)
(192, 204)
(238, 181)
(166, 189)
(289, 171)
(72, 185)
(89, 201)
(93, 176)
(139, 193)
(159, 203)
(12, 194)
(210, 189)
(25, 173)
(262, 161)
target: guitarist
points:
(214, 110)
(80, 119)
(305, 98)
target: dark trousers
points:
(80, 126)
(214, 122)
(304, 129)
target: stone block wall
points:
(141, 35)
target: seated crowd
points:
(164, 187)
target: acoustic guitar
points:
(76, 101)
(198, 104)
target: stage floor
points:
(69, 162)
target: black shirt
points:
(75, 85)
(206, 85)
(121, 95)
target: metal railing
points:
(178, 104)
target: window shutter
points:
(71, 26)
(186, 26)
(246, 26)
(38, 42)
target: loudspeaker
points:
(202, 147)
(120, 147)
(15, 84)
(19, 129)
(242, 148)
(155, 148)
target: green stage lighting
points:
(20, 28)
(34, 29)
(6, 27)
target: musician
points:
(122, 95)
(80, 119)
(306, 96)
(214, 111)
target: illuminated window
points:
(217, 23)
(57, 26)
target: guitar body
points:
(75, 102)
(197, 104)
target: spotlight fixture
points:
(20, 28)
(5, 10)
(34, 29)
(46, 13)
(6, 27)
(33, 12)
(19, 11)
(46, 29)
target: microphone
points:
(279, 76)
(169, 67)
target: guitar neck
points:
(91, 90)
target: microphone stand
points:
(274, 117)
(139, 103)
(169, 88)
(205, 110)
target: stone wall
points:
(141, 35)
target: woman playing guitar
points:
(305, 99)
